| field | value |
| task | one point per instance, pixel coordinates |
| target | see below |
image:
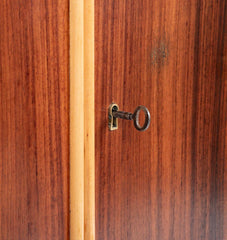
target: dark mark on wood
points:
(159, 54)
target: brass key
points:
(114, 114)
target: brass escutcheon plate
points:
(112, 121)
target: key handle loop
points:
(136, 115)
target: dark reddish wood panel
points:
(34, 119)
(170, 181)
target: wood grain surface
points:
(34, 120)
(169, 182)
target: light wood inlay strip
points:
(89, 126)
(82, 186)
(76, 120)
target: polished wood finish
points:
(34, 120)
(168, 182)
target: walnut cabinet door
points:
(73, 168)
(168, 182)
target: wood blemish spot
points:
(159, 55)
